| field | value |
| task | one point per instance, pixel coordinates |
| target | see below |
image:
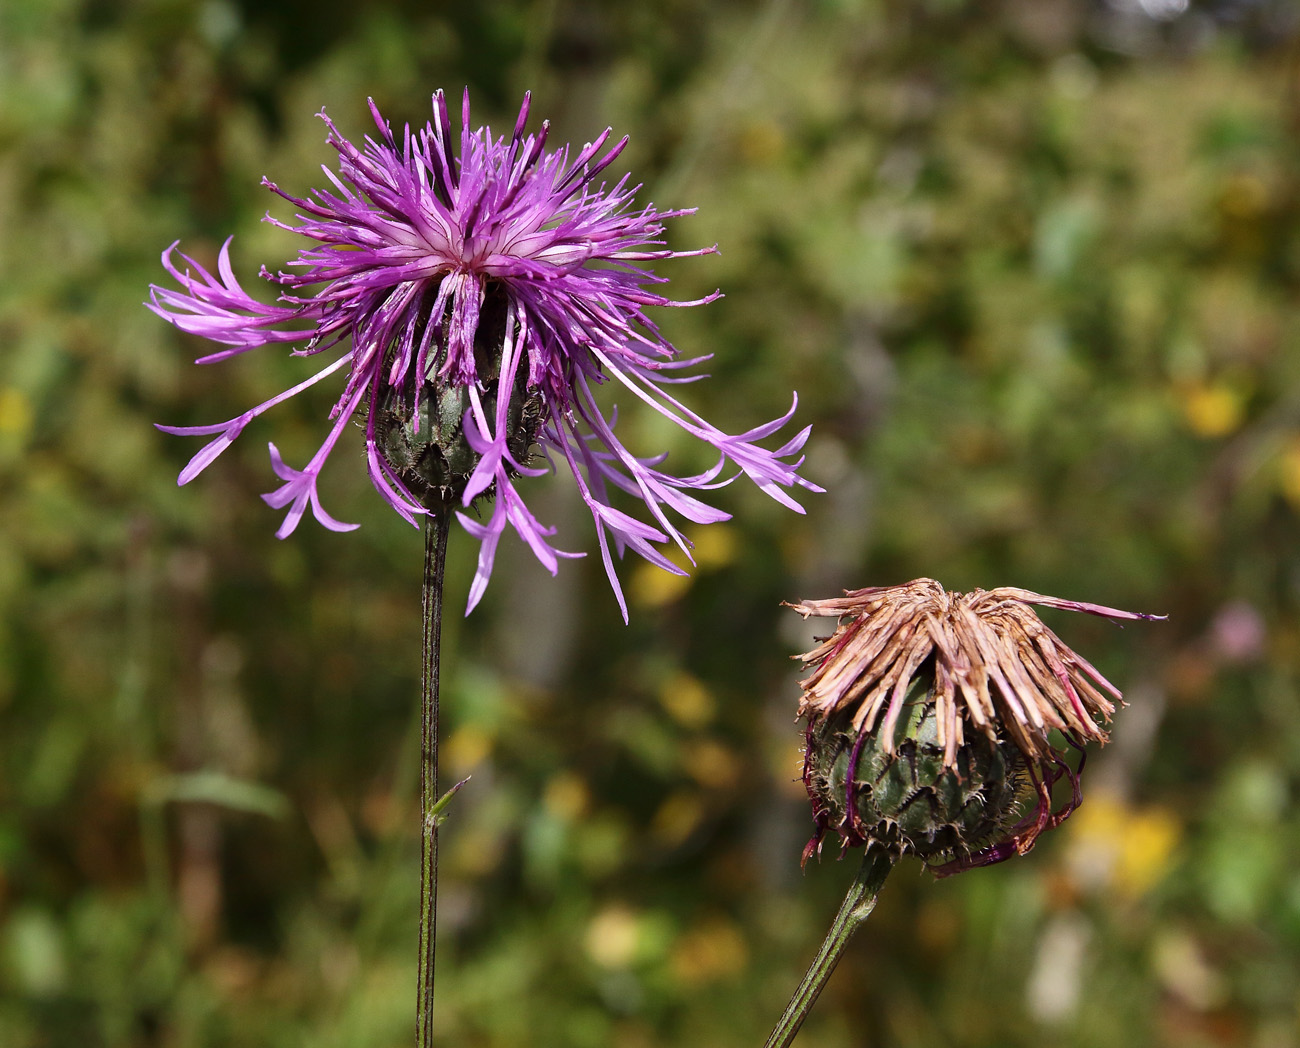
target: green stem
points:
(435, 559)
(856, 908)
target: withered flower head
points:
(929, 719)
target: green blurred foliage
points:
(1034, 268)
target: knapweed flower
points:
(929, 717)
(472, 299)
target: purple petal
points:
(405, 241)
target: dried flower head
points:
(929, 716)
(475, 297)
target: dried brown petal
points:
(985, 659)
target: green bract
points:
(433, 458)
(907, 801)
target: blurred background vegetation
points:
(1034, 269)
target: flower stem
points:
(856, 908)
(435, 559)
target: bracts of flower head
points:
(475, 292)
(928, 720)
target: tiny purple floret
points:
(412, 219)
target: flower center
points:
(419, 425)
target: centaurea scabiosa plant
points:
(932, 720)
(471, 292)
(474, 302)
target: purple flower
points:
(478, 297)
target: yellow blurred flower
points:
(711, 763)
(1289, 472)
(466, 749)
(613, 936)
(1150, 838)
(1214, 409)
(677, 817)
(1118, 847)
(710, 951)
(687, 700)
(475, 849)
(714, 547)
(1244, 196)
(15, 413)
(566, 796)
(761, 142)
(652, 587)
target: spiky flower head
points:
(472, 299)
(929, 717)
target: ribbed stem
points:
(856, 908)
(435, 559)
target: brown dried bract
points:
(996, 663)
(992, 663)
